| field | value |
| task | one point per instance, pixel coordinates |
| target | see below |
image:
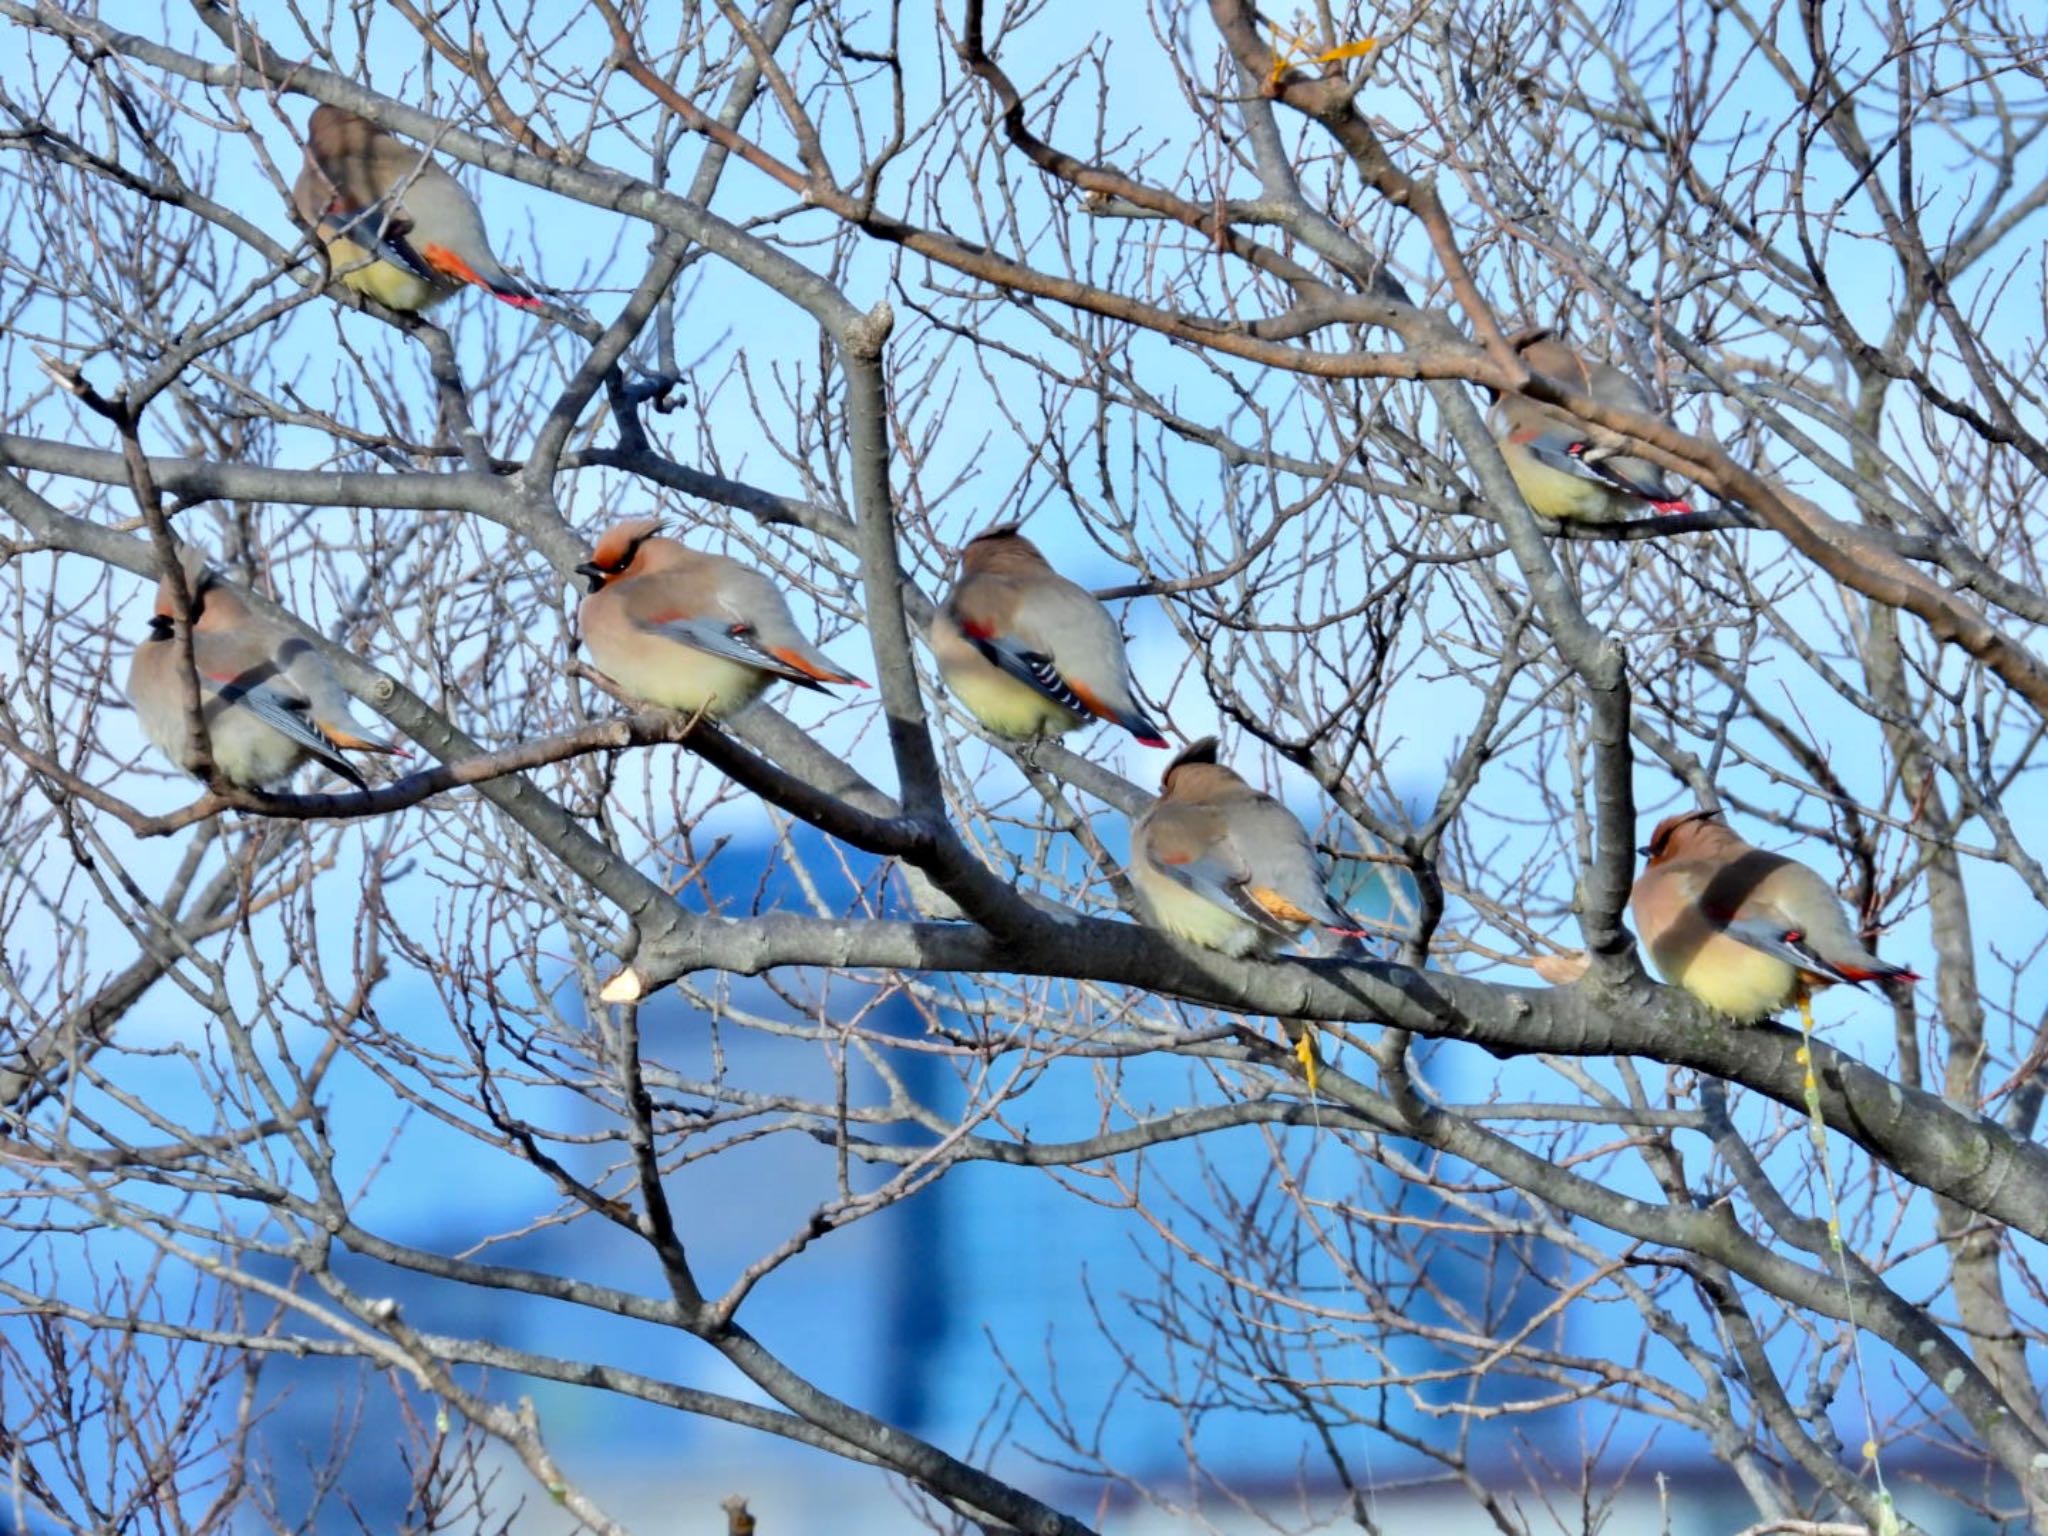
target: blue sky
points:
(1014, 1245)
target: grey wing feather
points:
(1774, 938)
(1219, 875)
(1570, 453)
(288, 713)
(735, 641)
(1033, 668)
(1284, 860)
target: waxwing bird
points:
(396, 225)
(689, 630)
(1028, 652)
(269, 699)
(1745, 931)
(1560, 470)
(1227, 866)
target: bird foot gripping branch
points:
(1308, 1055)
(1292, 52)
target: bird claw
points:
(1292, 51)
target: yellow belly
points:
(1728, 976)
(245, 750)
(392, 286)
(1187, 915)
(1556, 494)
(680, 676)
(1008, 707)
(999, 701)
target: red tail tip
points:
(1153, 741)
(524, 301)
(1889, 973)
(1668, 508)
(858, 682)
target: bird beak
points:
(591, 574)
(1644, 850)
(161, 626)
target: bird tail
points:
(1126, 714)
(1880, 971)
(812, 665)
(342, 737)
(449, 265)
(344, 767)
(1347, 928)
(1347, 943)
(1148, 734)
(1333, 920)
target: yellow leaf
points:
(1357, 50)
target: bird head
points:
(1196, 754)
(199, 579)
(1677, 835)
(1000, 547)
(617, 550)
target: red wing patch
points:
(1273, 902)
(355, 743)
(1092, 704)
(450, 265)
(1858, 973)
(809, 668)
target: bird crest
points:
(621, 542)
(1664, 840)
(1195, 753)
(1001, 546)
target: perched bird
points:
(1745, 931)
(1560, 470)
(1026, 650)
(396, 225)
(269, 699)
(692, 631)
(1226, 865)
